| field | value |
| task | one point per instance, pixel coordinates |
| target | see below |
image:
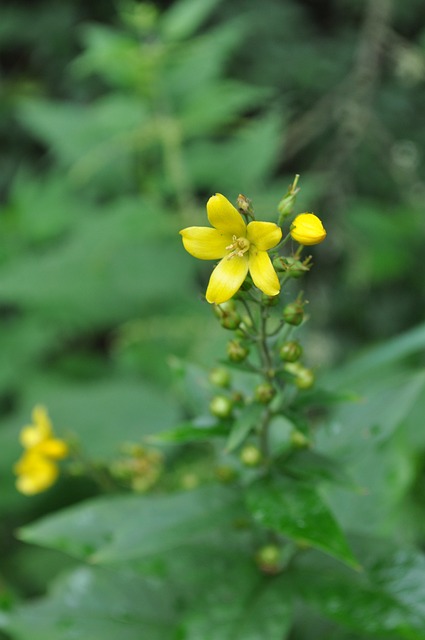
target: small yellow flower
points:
(308, 229)
(240, 248)
(37, 469)
(35, 473)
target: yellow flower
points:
(308, 229)
(35, 473)
(37, 469)
(241, 247)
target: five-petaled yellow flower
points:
(37, 468)
(241, 247)
(307, 229)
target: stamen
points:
(238, 247)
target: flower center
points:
(238, 247)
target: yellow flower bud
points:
(308, 229)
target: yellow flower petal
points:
(262, 272)
(53, 448)
(35, 473)
(307, 229)
(41, 419)
(205, 243)
(224, 216)
(227, 278)
(264, 235)
(30, 436)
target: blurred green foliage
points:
(117, 121)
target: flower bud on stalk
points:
(299, 440)
(221, 406)
(268, 558)
(219, 377)
(269, 301)
(250, 455)
(290, 351)
(307, 229)
(286, 205)
(304, 379)
(236, 351)
(244, 205)
(264, 392)
(293, 313)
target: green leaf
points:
(296, 510)
(113, 529)
(241, 605)
(385, 405)
(96, 604)
(386, 599)
(203, 113)
(316, 467)
(247, 420)
(185, 17)
(381, 356)
(248, 158)
(190, 432)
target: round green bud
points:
(268, 558)
(221, 406)
(304, 379)
(299, 440)
(223, 309)
(250, 455)
(290, 351)
(293, 313)
(236, 351)
(220, 377)
(269, 301)
(230, 320)
(264, 392)
(225, 473)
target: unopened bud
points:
(225, 473)
(293, 313)
(269, 301)
(299, 440)
(268, 558)
(304, 379)
(264, 392)
(236, 351)
(250, 455)
(307, 229)
(286, 205)
(230, 320)
(223, 309)
(244, 205)
(221, 406)
(290, 351)
(219, 377)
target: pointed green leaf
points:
(387, 598)
(96, 604)
(112, 529)
(296, 510)
(243, 425)
(190, 432)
